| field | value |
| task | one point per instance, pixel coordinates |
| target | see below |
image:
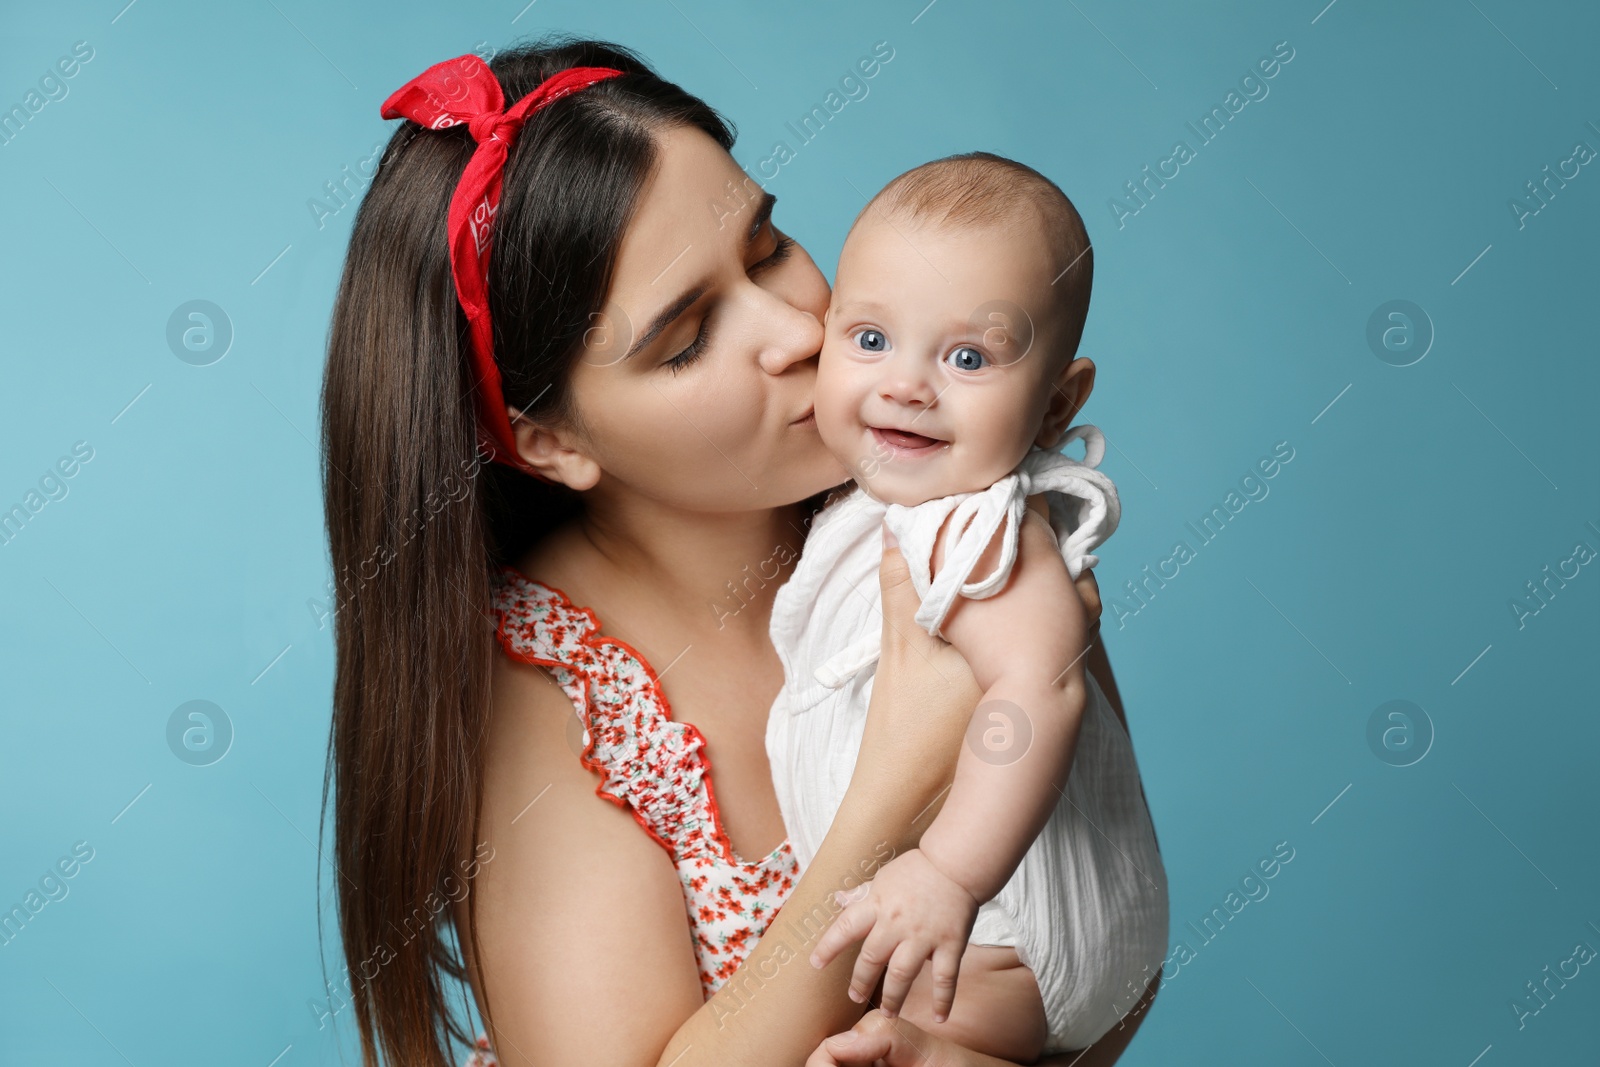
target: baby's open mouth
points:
(905, 440)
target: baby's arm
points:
(1025, 646)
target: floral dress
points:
(655, 768)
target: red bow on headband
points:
(464, 91)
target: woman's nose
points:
(797, 336)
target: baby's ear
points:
(1069, 391)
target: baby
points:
(946, 384)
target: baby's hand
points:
(911, 911)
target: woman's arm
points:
(1025, 646)
(586, 956)
(923, 695)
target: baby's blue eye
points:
(966, 358)
(872, 340)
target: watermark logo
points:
(52, 486)
(199, 332)
(199, 733)
(1000, 733)
(1252, 888)
(1253, 487)
(807, 127)
(347, 186)
(1140, 192)
(1400, 333)
(1540, 595)
(1006, 328)
(1542, 190)
(1541, 993)
(52, 88)
(1399, 733)
(53, 886)
(608, 336)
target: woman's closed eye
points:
(696, 348)
(780, 253)
(702, 339)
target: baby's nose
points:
(904, 385)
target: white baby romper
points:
(1087, 908)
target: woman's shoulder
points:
(574, 902)
(536, 622)
(539, 691)
(536, 628)
(617, 723)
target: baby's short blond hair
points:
(983, 189)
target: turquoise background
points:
(186, 560)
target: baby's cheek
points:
(836, 410)
(833, 381)
(836, 427)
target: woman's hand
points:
(879, 1040)
(922, 698)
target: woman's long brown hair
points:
(415, 520)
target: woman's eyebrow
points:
(669, 314)
(763, 213)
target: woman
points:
(655, 337)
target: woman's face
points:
(695, 384)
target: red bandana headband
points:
(464, 91)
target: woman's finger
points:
(861, 1047)
(909, 652)
(922, 697)
(900, 600)
(879, 1041)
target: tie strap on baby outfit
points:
(1085, 502)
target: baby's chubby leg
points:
(997, 1010)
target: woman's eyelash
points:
(690, 354)
(698, 346)
(779, 254)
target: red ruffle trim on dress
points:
(627, 719)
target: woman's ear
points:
(554, 453)
(1068, 393)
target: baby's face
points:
(938, 356)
